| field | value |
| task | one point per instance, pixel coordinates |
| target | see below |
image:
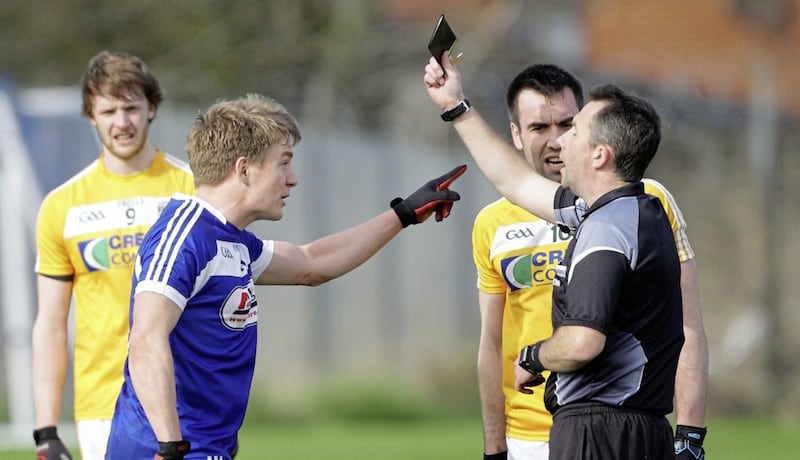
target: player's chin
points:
(275, 213)
(553, 172)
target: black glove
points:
(172, 450)
(433, 196)
(49, 446)
(689, 443)
(498, 456)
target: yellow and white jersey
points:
(515, 253)
(90, 228)
(676, 221)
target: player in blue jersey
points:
(194, 313)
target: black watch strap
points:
(457, 111)
(529, 359)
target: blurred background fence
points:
(721, 72)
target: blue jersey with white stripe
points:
(206, 266)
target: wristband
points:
(173, 449)
(498, 456)
(693, 434)
(529, 358)
(457, 111)
(44, 434)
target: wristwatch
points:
(529, 358)
(457, 111)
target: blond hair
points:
(245, 127)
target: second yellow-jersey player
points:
(89, 230)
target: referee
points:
(617, 310)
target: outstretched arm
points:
(334, 255)
(331, 256)
(511, 175)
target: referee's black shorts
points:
(594, 431)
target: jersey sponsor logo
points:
(94, 254)
(528, 270)
(517, 272)
(116, 251)
(240, 309)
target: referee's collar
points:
(630, 189)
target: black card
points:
(443, 39)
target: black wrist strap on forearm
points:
(44, 434)
(529, 358)
(173, 449)
(693, 434)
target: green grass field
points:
(457, 438)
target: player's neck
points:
(124, 166)
(226, 199)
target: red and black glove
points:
(433, 196)
(49, 446)
(172, 450)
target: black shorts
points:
(594, 431)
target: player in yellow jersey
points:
(516, 252)
(88, 233)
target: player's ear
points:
(240, 167)
(603, 157)
(516, 135)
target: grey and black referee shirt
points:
(621, 276)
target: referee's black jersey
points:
(621, 276)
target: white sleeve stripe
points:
(577, 259)
(164, 289)
(259, 265)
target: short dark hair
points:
(546, 79)
(630, 126)
(119, 75)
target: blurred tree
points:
(325, 59)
